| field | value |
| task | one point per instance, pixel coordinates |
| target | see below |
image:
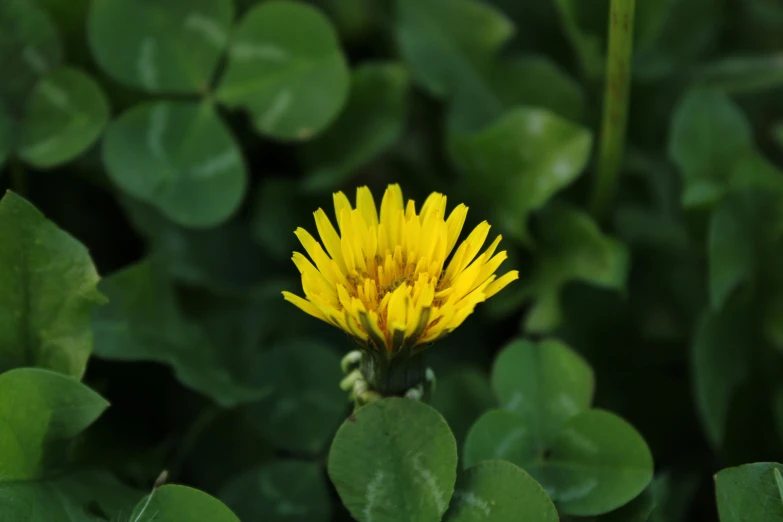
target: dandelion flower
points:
(394, 280)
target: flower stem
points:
(393, 376)
(616, 94)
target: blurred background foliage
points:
(182, 142)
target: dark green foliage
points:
(156, 157)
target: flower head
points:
(385, 278)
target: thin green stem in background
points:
(616, 94)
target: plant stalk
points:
(393, 376)
(616, 97)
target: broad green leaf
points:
(742, 74)
(306, 404)
(65, 115)
(461, 396)
(529, 81)
(70, 499)
(744, 228)
(596, 463)
(502, 435)
(413, 456)
(521, 179)
(179, 157)
(723, 348)
(750, 492)
(29, 46)
(41, 410)
(160, 46)
(640, 509)
(172, 503)
(49, 290)
(83, 496)
(673, 35)
(280, 491)
(709, 134)
(293, 82)
(545, 383)
(142, 322)
(571, 248)
(498, 491)
(447, 42)
(370, 123)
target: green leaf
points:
(571, 248)
(723, 349)
(306, 404)
(519, 180)
(545, 383)
(40, 412)
(30, 47)
(179, 157)
(528, 81)
(394, 449)
(502, 435)
(742, 74)
(750, 492)
(162, 46)
(640, 509)
(280, 491)
(49, 290)
(84, 496)
(446, 42)
(673, 35)
(709, 134)
(370, 123)
(171, 503)
(461, 396)
(293, 82)
(142, 322)
(498, 491)
(596, 463)
(744, 229)
(66, 114)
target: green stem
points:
(395, 376)
(616, 94)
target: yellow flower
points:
(384, 279)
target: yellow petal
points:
(500, 283)
(329, 237)
(340, 203)
(303, 304)
(455, 223)
(366, 206)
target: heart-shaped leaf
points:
(499, 491)
(293, 82)
(179, 157)
(66, 113)
(172, 503)
(394, 449)
(164, 46)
